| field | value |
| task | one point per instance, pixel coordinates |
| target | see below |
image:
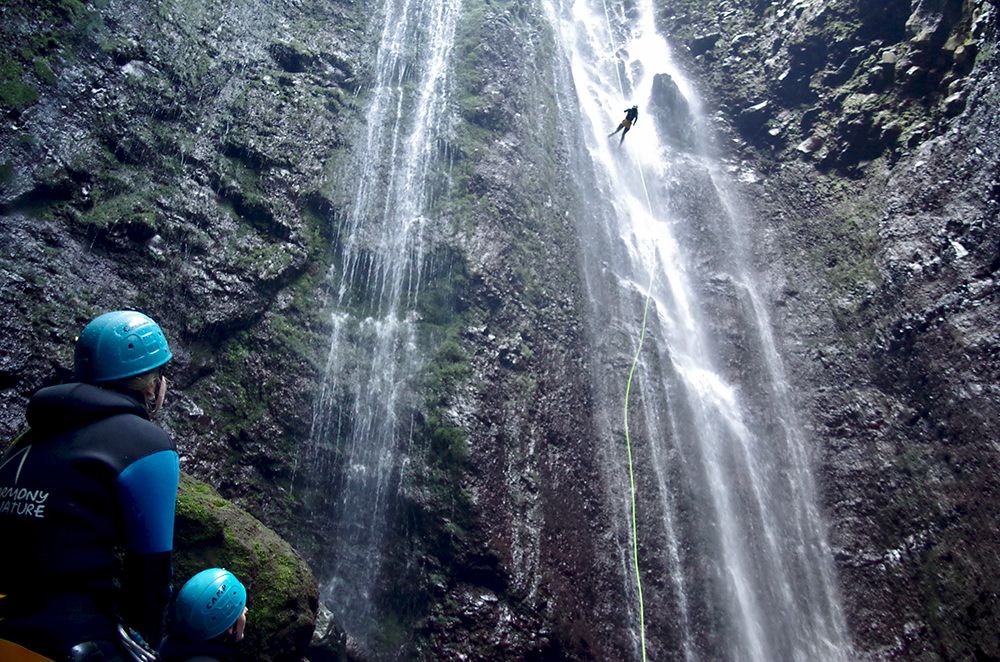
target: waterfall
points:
(732, 548)
(362, 416)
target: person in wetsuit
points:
(87, 500)
(631, 117)
(210, 615)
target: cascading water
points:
(362, 417)
(732, 549)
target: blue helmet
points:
(209, 604)
(117, 345)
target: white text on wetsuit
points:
(22, 502)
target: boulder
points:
(703, 43)
(293, 57)
(752, 118)
(282, 594)
(670, 110)
(954, 104)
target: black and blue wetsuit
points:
(177, 648)
(87, 503)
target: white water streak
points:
(362, 413)
(774, 573)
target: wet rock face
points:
(671, 111)
(866, 142)
(856, 79)
(175, 160)
(500, 503)
(184, 160)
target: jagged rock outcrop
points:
(671, 112)
(853, 80)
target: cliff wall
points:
(188, 161)
(863, 135)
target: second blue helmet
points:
(209, 604)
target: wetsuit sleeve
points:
(147, 490)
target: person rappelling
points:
(631, 117)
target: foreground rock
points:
(282, 595)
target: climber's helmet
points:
(117, 345)
(209, 604)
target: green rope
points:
(628, 385)
(631, 477)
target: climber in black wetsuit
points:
(92, 480)
(631, 117)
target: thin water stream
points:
(363, 413)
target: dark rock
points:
(810, 118)
(703, 43)
(805, 58)
(752, 118)
(330, 642)
(954, 104)
(884, 19)
(671, 112)
(883, 73)
(913, 79)
(292, 57)
(964, 57)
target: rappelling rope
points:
(631, 478)
(631, 375)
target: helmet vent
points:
(117, 345)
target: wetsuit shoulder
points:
(147, 489)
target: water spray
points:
(628, 384)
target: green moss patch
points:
(135, 210)
(44, 71)
(15, 94)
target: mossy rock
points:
(283, 596)
(15, 94)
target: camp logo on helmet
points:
(218, 596)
